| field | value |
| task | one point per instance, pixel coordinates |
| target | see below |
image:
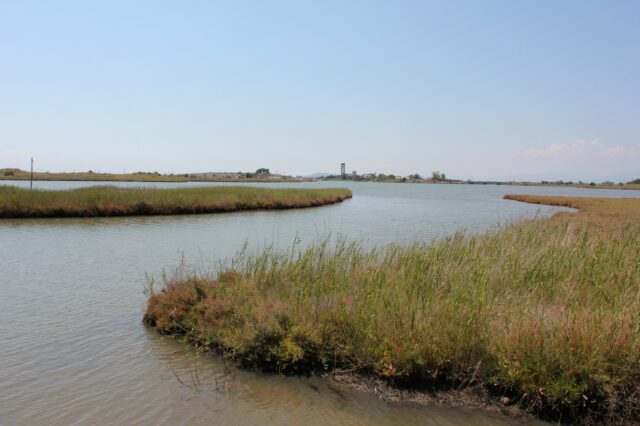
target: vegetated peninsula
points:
(260, 175)
(113, 201)
(541, 316)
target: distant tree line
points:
(259, 173)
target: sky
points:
(475, 89)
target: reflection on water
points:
(207, 384)
(74, 350)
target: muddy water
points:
(74, 351)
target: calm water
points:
(74, 350)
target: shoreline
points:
(476, 397)
(23, 175)
(150, 180)
(143, 177)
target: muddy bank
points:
(475, 397)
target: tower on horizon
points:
(343, 169)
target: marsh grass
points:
(546, 311)
(113, 201)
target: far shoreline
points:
(19, 175)
(135, 177)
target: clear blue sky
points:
(478, 89)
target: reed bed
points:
(113, 201)
(546, 312)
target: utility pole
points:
(31, 184)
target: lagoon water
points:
(74, 350)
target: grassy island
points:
(112, 201)
(543, 314)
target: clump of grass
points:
(545, 311)
(112, 201)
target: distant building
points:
(343, 169)
(354, 173)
